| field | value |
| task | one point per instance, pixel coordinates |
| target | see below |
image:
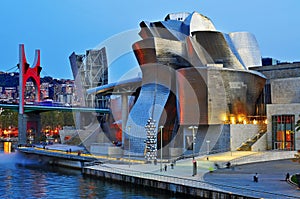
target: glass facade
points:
(283, 132)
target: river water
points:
(26, 178)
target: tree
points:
(8, 118)
(57, 118)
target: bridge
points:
(36, 108)
(29, 114)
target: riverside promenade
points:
(236, 181)
(213, 179)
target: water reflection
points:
(7, 147)
(25, 178)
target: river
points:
(26, 178)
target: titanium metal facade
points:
(192, 75)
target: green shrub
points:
(294, 179)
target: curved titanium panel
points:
(217, 47)
(158, 50)
(206, 95)
(151, 103)
(247, 48)
(198, 22)
(145, 32)
(145, 51)
(196, 54)
(192, 96)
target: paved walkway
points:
(271, 178)
(238, 179)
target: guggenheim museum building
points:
(197, 93)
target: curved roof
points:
(109, 88)
(198, 22)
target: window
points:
(283, 132)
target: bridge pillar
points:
(30, 128)
(22, 137)
(124, 115)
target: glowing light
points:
(240, 119)
(224, 117)
(232, 120)
(266, 121)
(7, 147)
(245, 122)
(254, 121)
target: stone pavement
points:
(271, 178)
(237, 179)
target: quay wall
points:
(169, 185)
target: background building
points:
(282, 98)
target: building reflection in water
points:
(7, 147)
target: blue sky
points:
(59, 27)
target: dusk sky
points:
(59, 27)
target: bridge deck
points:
(32, 108)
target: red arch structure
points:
(26, 73)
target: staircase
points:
(246, 146)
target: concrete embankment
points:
(58, 157)
(187, 184)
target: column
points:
(124, 115)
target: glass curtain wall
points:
(283, 132)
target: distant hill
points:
(12, 80)
(9, 79)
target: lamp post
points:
(161, 145)
(194, 138)
(207, 142)
(129, 144)
(231, 145)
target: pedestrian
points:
(228, 164)
(166, 167)
(287, 176)
(255, 177)
(217, 166)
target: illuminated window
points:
(283, 132)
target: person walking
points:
(255, 177)
(287, 176)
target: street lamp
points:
(207, 142)
(231, 145)
(161, 144)
(194, 138)
(129, 143)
